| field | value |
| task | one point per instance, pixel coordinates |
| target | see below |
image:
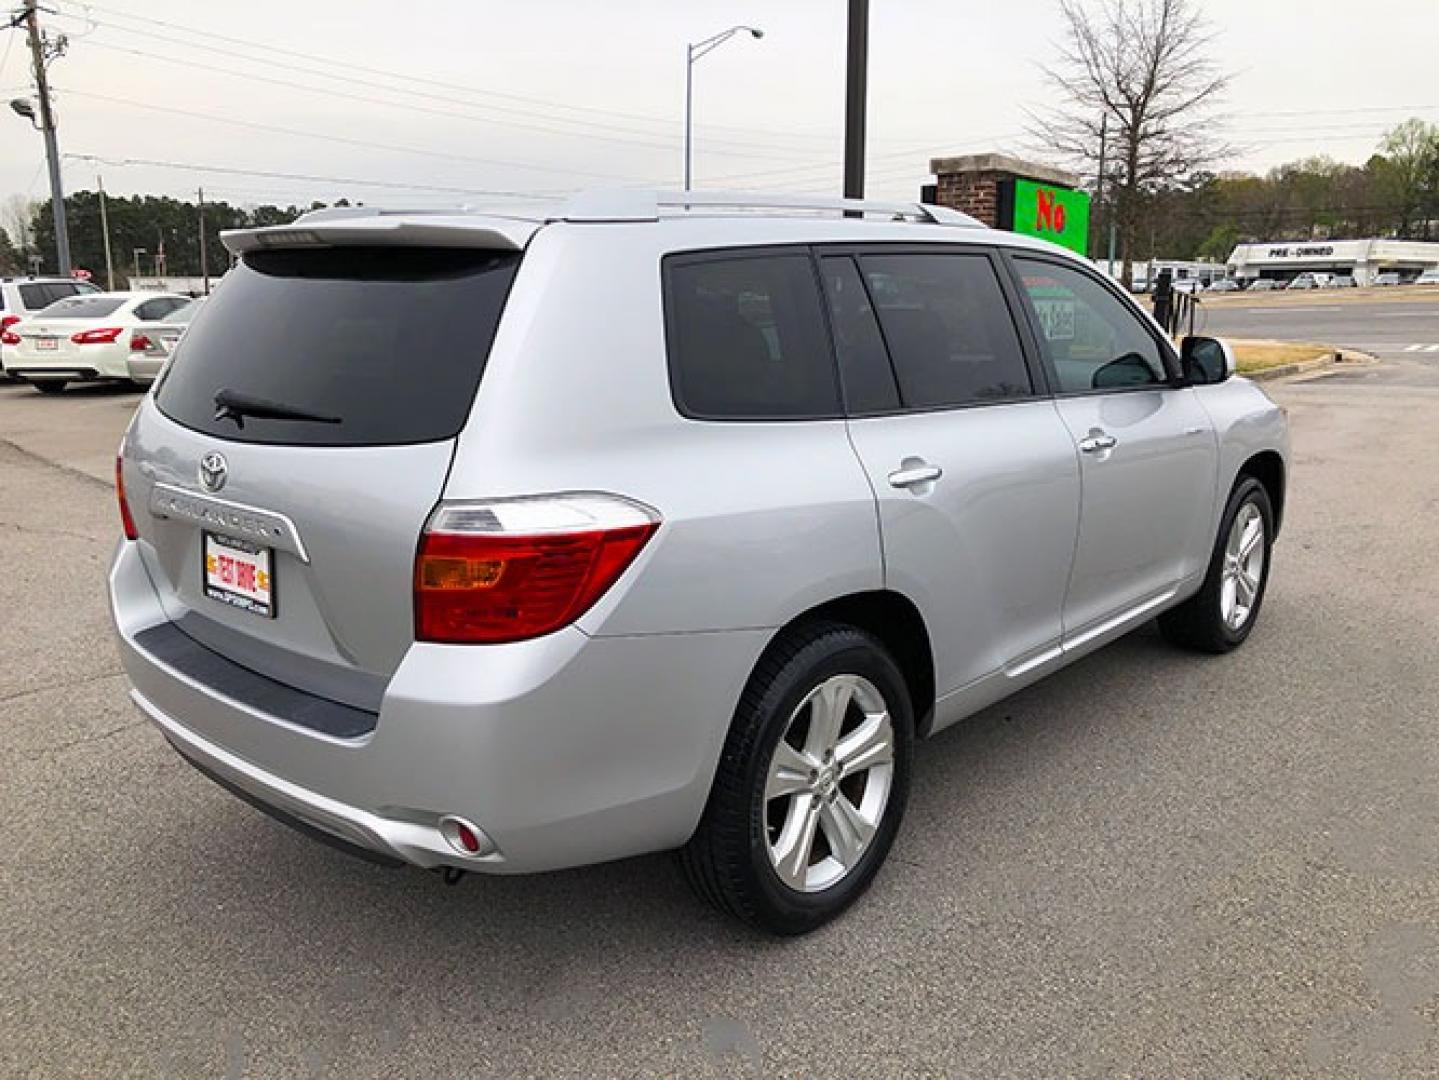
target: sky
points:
(478, 102)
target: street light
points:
(692, 53)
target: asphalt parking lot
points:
(1151, 864)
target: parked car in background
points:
(459, 540)
(1264, 284)
(1308, 281)
(1225, 285)
(85, 338)
(1428, 277)
(21, 298)
(150, 351)
(1388, 277)
(1341, 281)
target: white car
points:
(85, 337)
(146, 362)
(1429, 277)
(21, 298)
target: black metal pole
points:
(856, 74)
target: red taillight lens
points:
(126, 520)
(513, 569)
(8, 321)
(9, 337)
(139, 343)
(107, 336)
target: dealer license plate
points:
(239, 574)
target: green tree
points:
(1411, 152)
(11, 260)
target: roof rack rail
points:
(633, 204)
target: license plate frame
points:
(241, 575)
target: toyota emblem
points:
(213, 471)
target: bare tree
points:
(1412, 153)
(1138, 74)
(17, 218)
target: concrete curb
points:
(1304, 367)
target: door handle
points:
(1096, 441)
(914, 475)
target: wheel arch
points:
(1268, 468)
(893, 619)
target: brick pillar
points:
(971, 183)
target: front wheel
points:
(1220, 616)
(811, 786)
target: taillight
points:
(139, 343)
(128, 522)
(9, 337)
(511, 569)
(107, 336)
(8, 321)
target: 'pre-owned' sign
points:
(1050, 212)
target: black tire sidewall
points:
(838, 652)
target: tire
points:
(50, 386)
(796, 685)
(1210, 621)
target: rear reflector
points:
(126, 521)
(511, 569)
(107, 336)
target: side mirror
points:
(1206, 361)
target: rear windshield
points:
(387, 344)
(40, 294)
(82, 307)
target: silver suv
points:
(503, 544)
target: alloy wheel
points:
(1243, 567)
(829, 783)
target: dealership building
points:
(1363, 260)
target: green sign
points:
(1053, 213)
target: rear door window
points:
(83, 307)
(950, 333)
(389, 343)
(747, 338)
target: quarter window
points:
(950, 334)
(1092, 341)
(747, 339)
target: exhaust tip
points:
(465, 837)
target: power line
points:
(352, 181)
(419, 80)
(367, 144)
(406, 106)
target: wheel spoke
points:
(1246, 587)
(1250, 538)
(866, 746)
(791, 851)
(789, 772)
(847, 832)
(827, 712)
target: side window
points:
(747, 340)
(1092, 340)
(949, 330)
(149, 311)
(864, 366)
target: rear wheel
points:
(49, 386)
(812, 784)
(1220, 616)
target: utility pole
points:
(1099, 187)
(47, 127)
(856, 78)
(105, 229)
(204, 262)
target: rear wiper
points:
(233, 405)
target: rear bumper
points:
(144, 368)
(563, 751)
